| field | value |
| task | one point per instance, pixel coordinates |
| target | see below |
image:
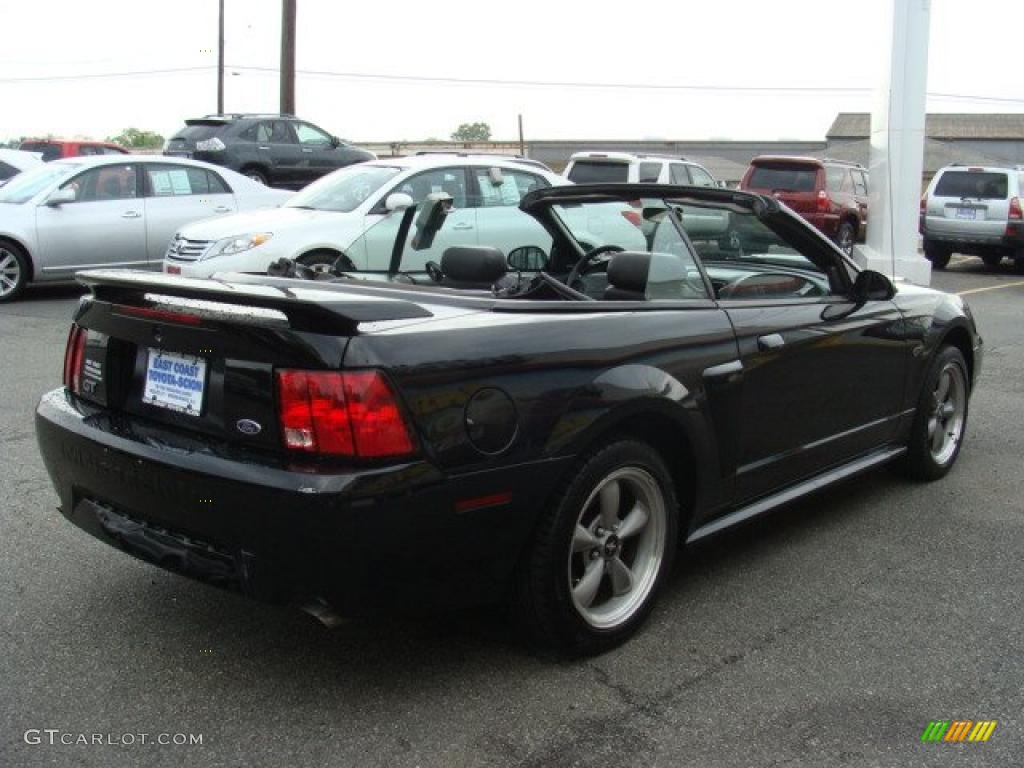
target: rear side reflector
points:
(1015, 210)
(74, 355)
(341, 414)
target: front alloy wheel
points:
(600, 552)
(13, 272)
(941, 419)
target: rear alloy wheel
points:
(938, 255)
(941, 419)
(992, 260)
(13, 272)
(601, 552)
(846, 237)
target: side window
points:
(860, 183)
(449, 180)
(280, 133)
(834, 177)
(216, 184)
(678, 174)
(182, 180)
(7, 171)
(249, 134)
(309, 135)
(502, 187)
(108, 182)
(86, 150)
(700, 177)
(648, 173)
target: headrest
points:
(473, 264)
(628, 270)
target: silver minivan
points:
(974, 210)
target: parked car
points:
(109, 211)
(830, 194)
(477, 434)
(14, 161)
(624, 167)
(278, 150)
(340, 214)
(55, 149)
(975, 211)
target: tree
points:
(133, 138)
(472, 132)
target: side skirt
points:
(794, 492)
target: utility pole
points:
(288, 57)
(522, 142)
(220, 61)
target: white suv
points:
(626, 168)
(346, 218)
(974, 210)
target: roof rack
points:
(239, 115)
(851, 163)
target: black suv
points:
(279, 150)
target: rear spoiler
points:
(309, 306)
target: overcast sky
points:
(786, 44)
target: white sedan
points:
(346, 218)
(110, 211)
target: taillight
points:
(342, 414)
(824, 203)
(1015, 210)
(74, 355)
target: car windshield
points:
(48, 149)
(974, 184)
(345, 190)
(594, 171)
(27, 185)
(784, 178)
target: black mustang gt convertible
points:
(546, 427)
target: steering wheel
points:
(434, 271)
(586, 258)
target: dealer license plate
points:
(175, 382)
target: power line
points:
(480, 81)
(99, 75)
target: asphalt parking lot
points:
(828, 634)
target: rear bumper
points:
(364, 540)
(1009, 238)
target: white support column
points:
(897, 149)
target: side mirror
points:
(528, 258)
(398, 201)
(872, 286)
(336, 142)
(429, 220)
(61, 196)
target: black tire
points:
(921, 462)
(14, 271)
(938, 255)
(846, 236)
(1018, 262)
(545, 595)
(256, 174)
(992, 260)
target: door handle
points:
(770, 341)
(262, 147)
(131, 215)
(463, 226)
(307, 151)
(222, 209)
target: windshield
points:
(974, 184)
(784, 178)
(48, 149)
(345, 190)
(590, 171)
(27, 185)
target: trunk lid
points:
(200, 355)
